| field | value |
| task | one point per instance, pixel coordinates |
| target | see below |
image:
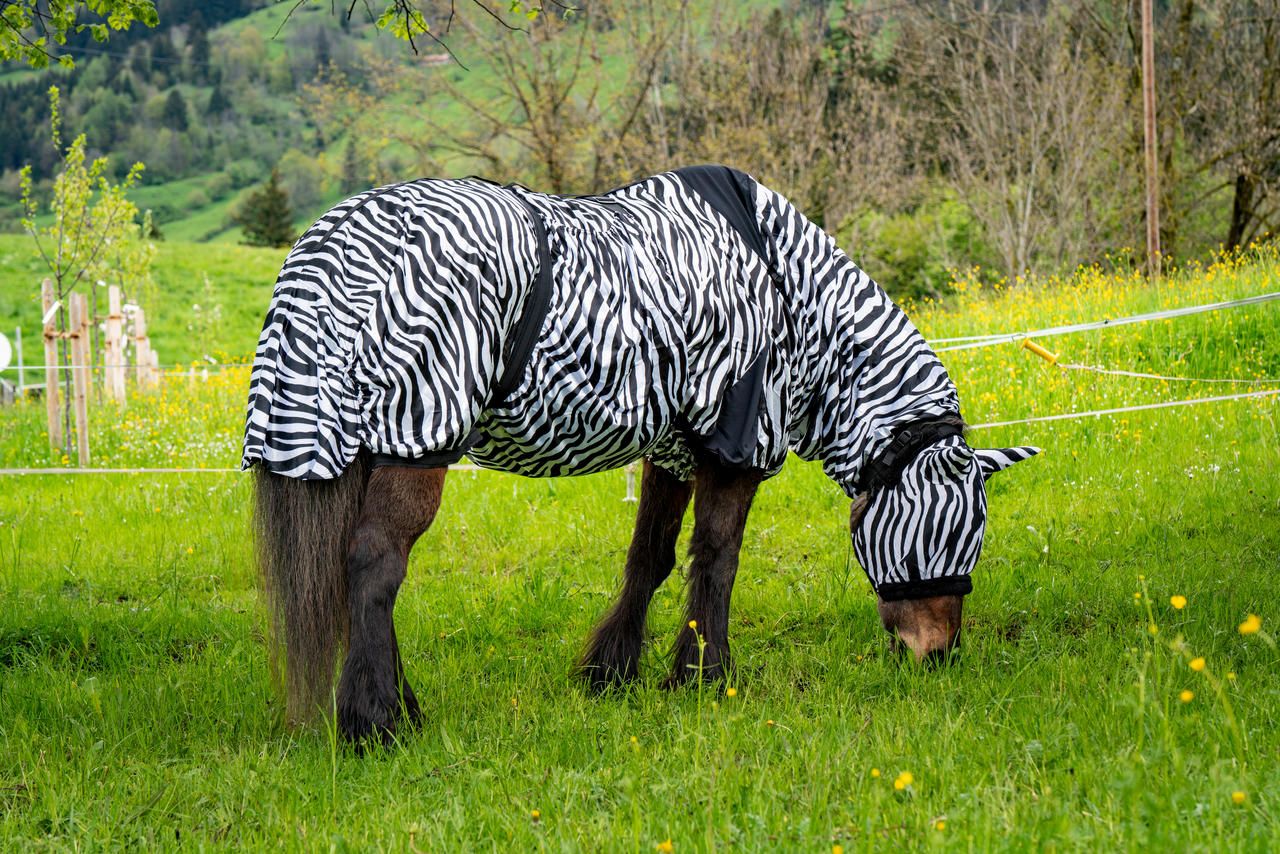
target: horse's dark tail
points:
(303, 532)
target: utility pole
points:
(1149, 123)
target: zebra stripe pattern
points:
(393, 316)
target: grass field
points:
(136, 707)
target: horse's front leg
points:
(613, 651)
(722, 500)
(399, 504)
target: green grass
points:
(138, 709)
(240, 279)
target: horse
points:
(695, 320)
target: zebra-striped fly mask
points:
(921, 536)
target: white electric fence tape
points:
(990, 340)
(974, 341)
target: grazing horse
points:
(695, 320)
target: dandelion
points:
(1251, 625)
(1178, 602)
(941, 825)
(1237, 797)
(535, 815)
(768, 723)
(875, 772)
(731, 692)
(836, 849)
(1197, 664)
(665, 847)
(1186, 696)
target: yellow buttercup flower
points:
(1178, 602)
(1197, 664)
(1251, 625)
(1238, 797)
(693, 624)
(666, 847)
(731, 692)
(942, 825)
(535, 815)
(1186, 696)
(875, 772)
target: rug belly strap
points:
(531, 316)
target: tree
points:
(1022, 123)
(266, 217)
(28, 26)
(93, 237)
(351, 182)
(175, 111)
(219, 103)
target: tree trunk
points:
(1241, 210)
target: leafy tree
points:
(266, 217)
(93, 238)
(27, 26)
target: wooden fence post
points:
(48, 299)
(141, 348)
(79, 332)
(153, 372)
(114, 377)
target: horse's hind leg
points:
(723, 499)
(613, 652)
(399, 504)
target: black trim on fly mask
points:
(525, 336)
(948, 585)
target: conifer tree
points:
(219, 103)
(266, 217)
(175, 111)
(351, 182)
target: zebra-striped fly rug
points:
(689, 313)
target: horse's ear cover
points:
(992, 460)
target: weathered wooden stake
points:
(79, 332)
(141, 348)
(153, 372)
(48, 299)
(114, 376)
